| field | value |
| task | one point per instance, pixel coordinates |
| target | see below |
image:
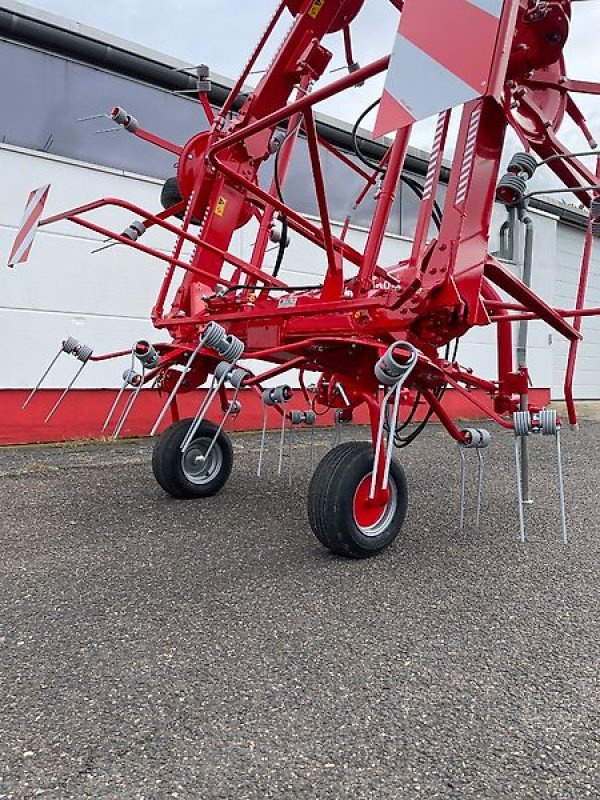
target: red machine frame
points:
(449, 284)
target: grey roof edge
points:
(22, 23)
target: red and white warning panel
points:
(29, 225)
(442, 58)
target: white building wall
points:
(105, 299)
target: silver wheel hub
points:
(197, 468)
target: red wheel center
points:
(367, 512)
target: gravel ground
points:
(153, 649)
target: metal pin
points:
(479, 485)
(281, 442)
(391, 435)
(128, 409)
(519, 490)
(291, 455)
(109, 130)
(262, 442)
(93, 116)
(561, 490)
(463, 481)
(104, 247)
(113, 408)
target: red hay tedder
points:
(379, 337)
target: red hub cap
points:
(373, 516)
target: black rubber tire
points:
(169, 467)
(331, 501)
(170, 196)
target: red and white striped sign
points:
(29, 225)
(442, 58)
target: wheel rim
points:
(373, 519)
(198, 469)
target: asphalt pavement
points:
(153, 648)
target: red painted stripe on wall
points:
(83, 413)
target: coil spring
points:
(132, 378)
(279, 394)
(134, 231)
(511, 190)
(302, 417)
(231, 348)
(237, 376)
(523, 162)
(476, 438)
(70, 345)
(84, 352)
(522, 423)
(548, 421)
(212, 335)
(222, 370)
(146, 354)
(388, 371)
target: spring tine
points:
(391, 436)
(281, 442)
(463, 480)
(222, 425)
(127, 410)
(291, 455)
(312, 445)
(104, 247)
(93, 116)
(202, 411)
(479, 486)
(561, 490)
(522, 536)
(41, 380)
(114, 406)
(262, 442)
(379, 440)
(175, 389)
(65, 393)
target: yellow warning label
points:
(221, 206)
(316, 8)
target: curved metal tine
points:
(175, 389)
(65, 393)
(561, 490)
(291, 455)
(312, 445)
(201, 413)
(119, 395)
(379, 440)
(522, 534)
(113, 408)
(127, 410)
(281, 441)
(479, 485)
(41, 380)
(463, 486)
(391, 436)
(262, 442)
(222, 425)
